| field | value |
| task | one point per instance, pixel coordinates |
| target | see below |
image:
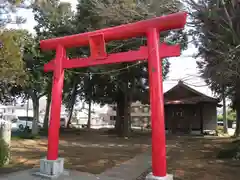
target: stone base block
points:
(51, 168)
(152, 177)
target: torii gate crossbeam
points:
(154, 52)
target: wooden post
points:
(53, 131)
(157, 105)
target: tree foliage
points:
(12, 66)
(11, 55)
(217, 40)
(231, 115)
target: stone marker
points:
(5, 134)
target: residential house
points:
(18, 110)
(140, 114)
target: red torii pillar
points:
(96, 40)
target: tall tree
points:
(54, 20)
(121, 87)
(36, 82)
(216, 34)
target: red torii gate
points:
(96, 40)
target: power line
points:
(204, 85)
(120, 69)
(195, 84)
(111, 71)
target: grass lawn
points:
(91, 152)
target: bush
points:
(4, 152)
(27, 135)
(24, 135)
(232, 151)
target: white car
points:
(24, 122)
(62, 123)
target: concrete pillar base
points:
(51, 168)
(152, 177)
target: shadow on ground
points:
(85, 151)
(196, 158)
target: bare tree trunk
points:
(237, 131)
(130, 117)
(225, 123)
(47, 110)
(89, 113)
(120, 113)
(72, 103)
(90, 89)
(118, 117)
(126, 119)
(27, 112)
(236, 105)
(129, 111)
(35, 100)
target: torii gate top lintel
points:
(97, 39)
(163, 23)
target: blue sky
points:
(181, 67)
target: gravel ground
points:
(144, 174)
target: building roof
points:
(183, 94)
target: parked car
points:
(24, 122)
(62, 123)
(220, 123)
